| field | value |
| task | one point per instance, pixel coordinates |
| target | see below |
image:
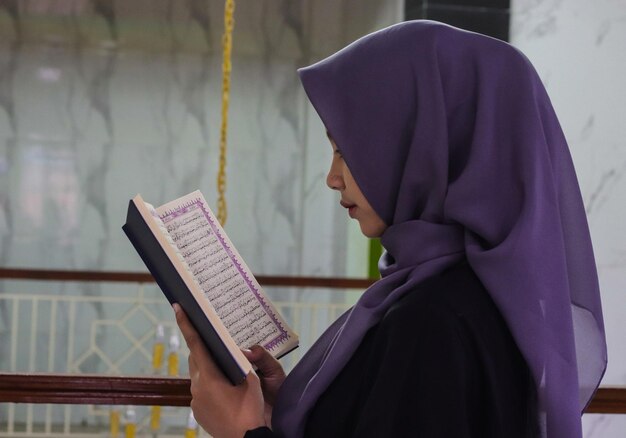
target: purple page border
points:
(186, 207)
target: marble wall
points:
(579, 49)
(101, 99)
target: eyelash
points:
(338, 152)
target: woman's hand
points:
(223, 410)
(271, 373)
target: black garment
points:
(441, 363)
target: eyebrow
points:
(328, 135)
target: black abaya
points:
(441, 363)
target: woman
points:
(487, 320)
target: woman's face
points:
(339, 178)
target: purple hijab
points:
(452, 139)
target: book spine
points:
(176, 290)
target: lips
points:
(351, 207)
(345, 204)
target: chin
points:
(372, 231)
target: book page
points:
(222, 275)
(147, 233)
(166, 234)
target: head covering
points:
(454, 142)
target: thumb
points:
(267, 364)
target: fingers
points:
(194, 376)
(198, 353)
(189, 332)
(193, 368)
(267, 364)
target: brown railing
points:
(94, 389)
(141, 277)
(100, 389)
(167, 391)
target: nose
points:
(334, 180)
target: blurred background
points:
(104, 99)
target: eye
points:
(338, 153)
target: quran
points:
(196, 265)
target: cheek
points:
(372, 225)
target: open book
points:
(197, 266)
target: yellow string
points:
(227, 42)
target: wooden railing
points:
(167, 391)
(94, 389)
(110, 390)
(140, 277)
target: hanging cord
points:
(227, 43)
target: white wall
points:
(579, 49)
(96, 107)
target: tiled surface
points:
(486, 17)
(495, 4)
(492, 22)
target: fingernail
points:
(176, 307)
(246, 350)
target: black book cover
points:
(176, 291)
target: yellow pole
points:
(158, 351)
(191, 431)
(130, 428)
(114, 422)
(172, 357)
